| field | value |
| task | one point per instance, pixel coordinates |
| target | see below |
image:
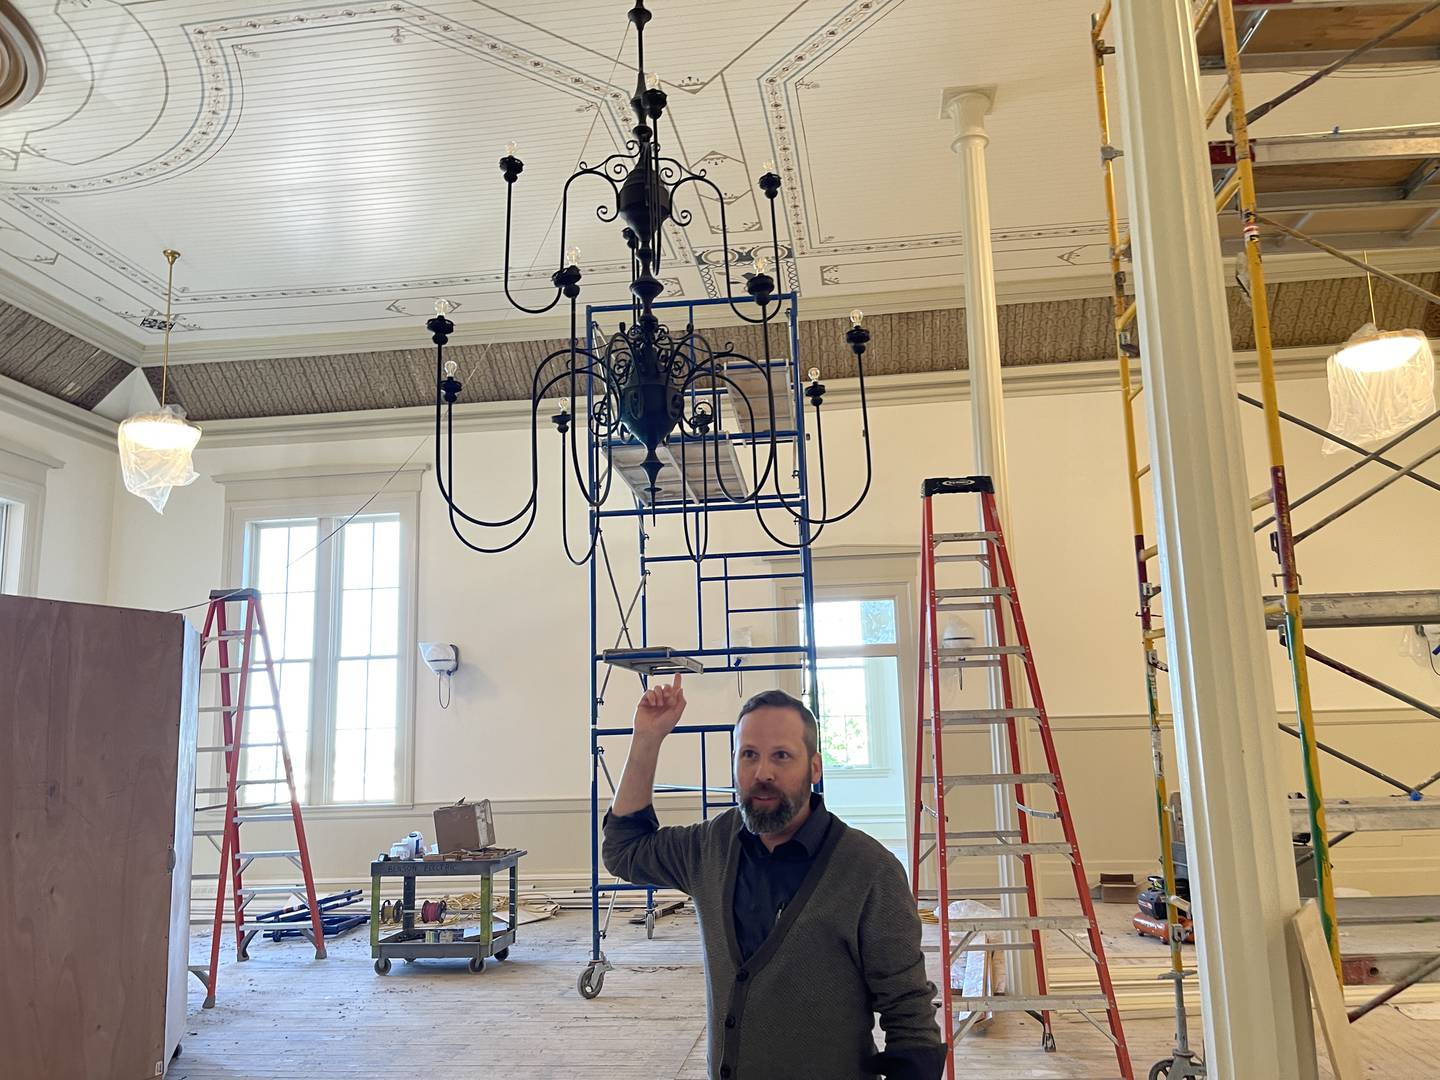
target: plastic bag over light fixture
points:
(1381, 382)
(156, 447)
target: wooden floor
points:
(285, 1016)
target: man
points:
(808, 926)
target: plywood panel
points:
(91, 702)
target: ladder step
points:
(270, 854)
(975, 892)
(1022, 922)
(961, 594)
(224, 635)
(273, 890)
(987, 835)
(243, 818)
(963, 537)
(998, 779)
(1049, 1002)
(230, 746)
(983, 650)
(981, 946)
(969, 556)
(229, 670)
(1056, 848)
(963, 607)
(983, 717)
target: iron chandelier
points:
(645, 387)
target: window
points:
(338, 594)
(332, 614)
(22, 509)
(858, 673)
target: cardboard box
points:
(1116, 889)
(466, 826)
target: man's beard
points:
(762, 822)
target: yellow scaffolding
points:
(1361, 36)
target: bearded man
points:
(808, 926)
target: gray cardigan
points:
(847, 947)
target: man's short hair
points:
(780, 699)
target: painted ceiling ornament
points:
(156, 447)
(648, 389)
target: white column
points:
(968, 106)
(1243, 883)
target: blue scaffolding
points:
(712, 571)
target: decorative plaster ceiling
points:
(327, 170)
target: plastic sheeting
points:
(1380, 389)
(978, 973)
(155, 453)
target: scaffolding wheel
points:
(1047, 1041)
(592, 979)
(382, 966)
(503, 954)
(650, 923)
(477, 964)
(1161, 1069)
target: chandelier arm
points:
(823, 520)
(446, 488)
(697, 178)
(539, 393)
(594, 527)
(455, 528)
(702, 514)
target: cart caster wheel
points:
(176, 1054)
(382, 967)
(650, 924)
(592, 979)
(503, 954)
(1161, 1069)
(1047, 1042)
(477, 964)
(409, 959)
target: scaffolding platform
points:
(693, 485)
(1387, 910)
(1369, 188)
(759, 417)
(1379, 814)
(1283, 35)
(1347, 610)
(656, 660)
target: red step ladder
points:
(236, 642)
(998, 596)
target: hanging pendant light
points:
(1381, 382)
(155, 447)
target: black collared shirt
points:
(766, 881)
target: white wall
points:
(516, 729)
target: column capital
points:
(967, 106)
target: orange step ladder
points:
(236, 641)
(999, 597)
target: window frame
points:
(864, 573)
(22, 488)
(308, 494)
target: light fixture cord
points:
(170, 257)
(1370, 288)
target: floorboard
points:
(285, 1016)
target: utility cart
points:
(472, 943)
